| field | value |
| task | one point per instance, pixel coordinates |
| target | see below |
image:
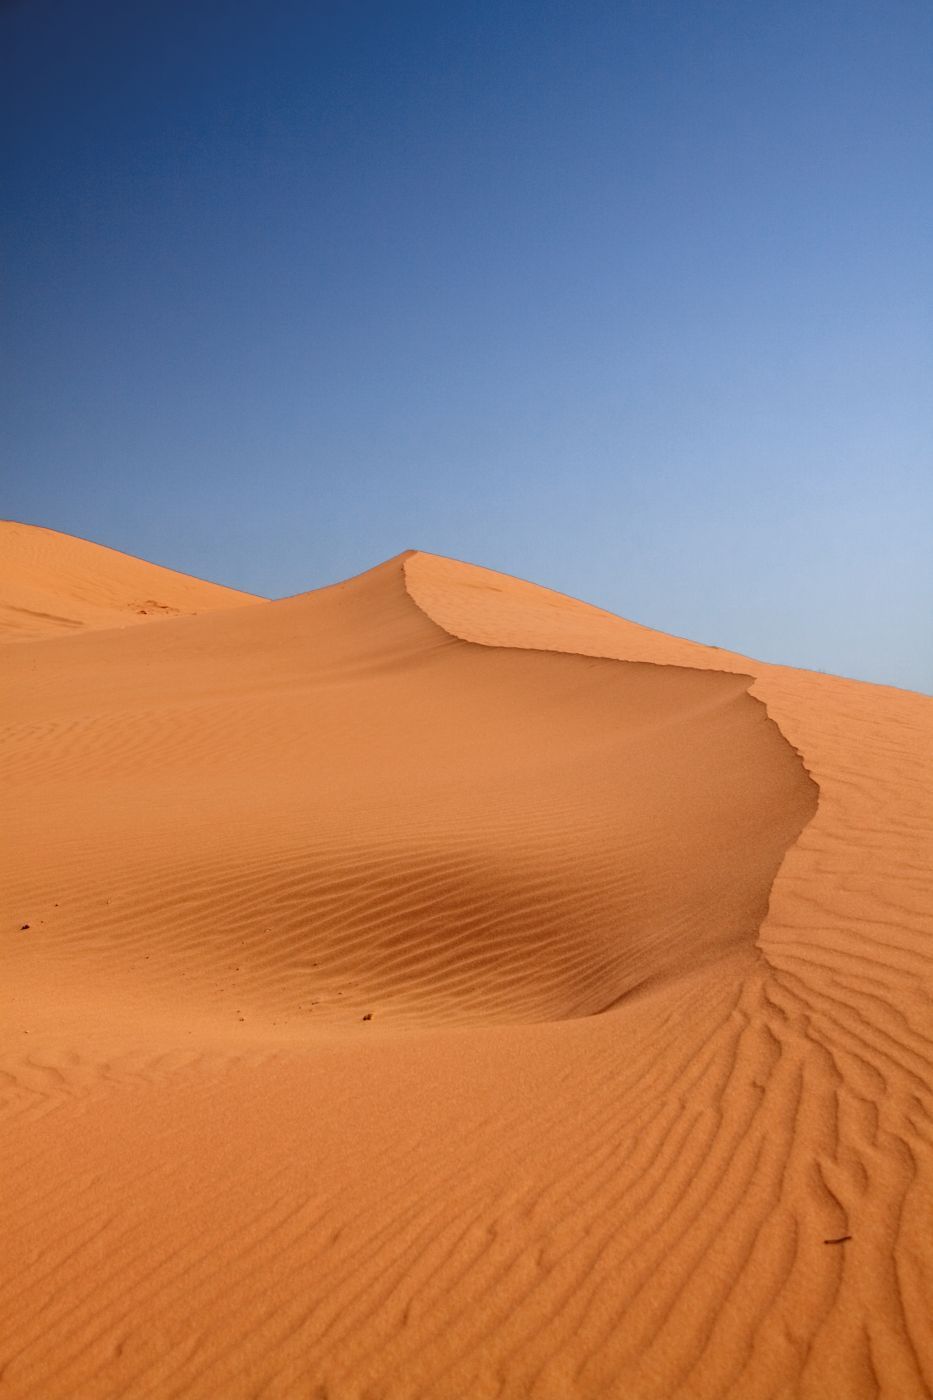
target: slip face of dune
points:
(433, 986)
(52, 584)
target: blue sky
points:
(630, 299)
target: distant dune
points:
(52, 583)
(435, 986)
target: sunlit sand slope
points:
(434, 986)
(52, 583)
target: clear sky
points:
(630, 299)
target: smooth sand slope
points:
(52, 583)
(434, 986)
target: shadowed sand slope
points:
(307, 1086)
(52, 583)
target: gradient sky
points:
(630, 299)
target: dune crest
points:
(434, 986)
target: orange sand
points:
(51, 583)
(437, 987)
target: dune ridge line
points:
(421, 597)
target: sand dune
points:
(436, 986)
(52, 583)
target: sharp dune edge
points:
(644, 933)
